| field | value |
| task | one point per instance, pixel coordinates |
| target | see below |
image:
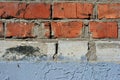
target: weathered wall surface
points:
(66, 29)
(57, 39)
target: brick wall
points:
(63, 30)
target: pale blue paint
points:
(59, 71)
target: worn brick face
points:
(12, 9)
(72, 10)
(109, 10)
(19, 30)
(24, 10)
(1, 30)
(84, 10)
(104, 29)
(37, 10)
(67, 29)
(64, 10)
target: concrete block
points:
(75, 50)
(17, 50)
(108, 51)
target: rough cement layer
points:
(59, 71)
(72, 49)
(21, 50)
(108, 50)
(62, 50)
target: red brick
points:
(104, 29)
(12, 9)
(19, 30)
(109, 10)
(37, 10)
(23, 10)
(67, 29)
(64, 10)
(84, 10)
(1, 30)
(72, 10)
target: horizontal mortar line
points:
(90, 1)
(89, 20)
(17, 19)
(60, 61)
(55, 40)
(39, 40)
(48, 1)
(29, 1)
(50, 20)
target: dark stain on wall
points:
(26, 50)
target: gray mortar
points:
(39, 30)
(93, 1)
(91, 55)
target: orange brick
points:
(37, 10)
(104, 29)
(72, 10)
(64, 10)
(84, 10)
(23, 10)
(19, 30)
(67, 29)
(109, 10)
(1, 30)
(12, 9)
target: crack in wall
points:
(56, 52)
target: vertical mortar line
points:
(89, 40)
(118, 23)
(4, 30)
(51, 8)
(91, 54)
(51, 36)
(84, 30)
(96, 10)
(85, 27)
(95, 16)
